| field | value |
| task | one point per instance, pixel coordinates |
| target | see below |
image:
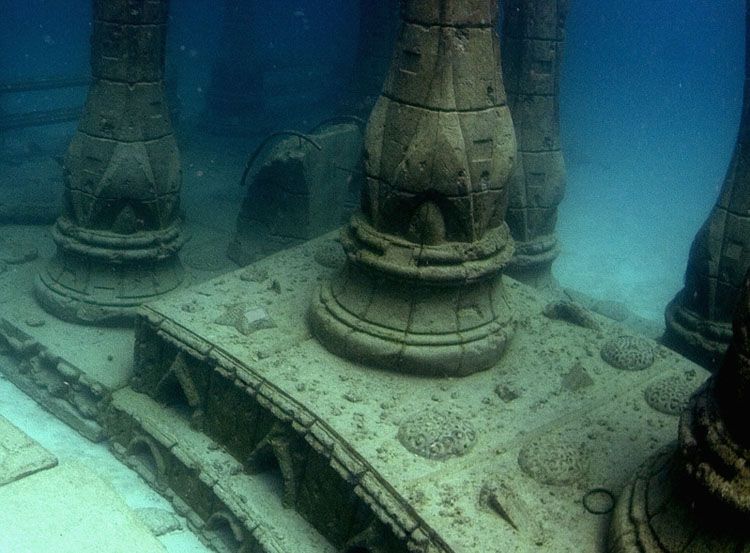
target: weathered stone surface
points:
(697, 498)
(469, 13)
(132, 12)
(422, 292)
(581, 423)
(119, 234)
(533, 41)
(128, 53)
(445, 68)
(158, 521)
(300, 189)
(20, 456)
(699, 317)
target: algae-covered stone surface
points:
(505, 490)
(20, 456)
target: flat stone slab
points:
(67, 368)
(20, 456)
(518, 456)
(69, 510)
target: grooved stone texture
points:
(696, 497)
(421, 291)
(533, 41)
(698, 318)
(119, 233)
(297, 188)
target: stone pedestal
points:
(698, 318)
(421, 291)
(696, 497)
(119, 233)
(533, 40)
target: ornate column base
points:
(101, 277)
(698, 339)
(693, 498)
(429, 310)
(532, 261)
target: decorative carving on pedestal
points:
(699, 317)
(532, 48)
(696, 497)
(421, 291)
(119, 233)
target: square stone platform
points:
(262, 437)
(527, 456)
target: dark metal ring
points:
(598, 491)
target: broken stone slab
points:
(20, 456)
(70, 510)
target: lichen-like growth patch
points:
(629, 353)
(437, 435)
(552, 460)
(670, 395)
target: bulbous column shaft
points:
(532, 46)
(119, 233)
(421, 291)
(698, 319)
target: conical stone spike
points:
(532, 47)
(118, 236)
(422, 289)
(698, 319)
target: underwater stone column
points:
(696, 497)
(698, 319)
(119, 233)
(532, 48)
(421, 291)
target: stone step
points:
(230, 509)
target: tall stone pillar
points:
(698, 318)
(696, 497)
(532, 47)
(422, 290)
(119, 233)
